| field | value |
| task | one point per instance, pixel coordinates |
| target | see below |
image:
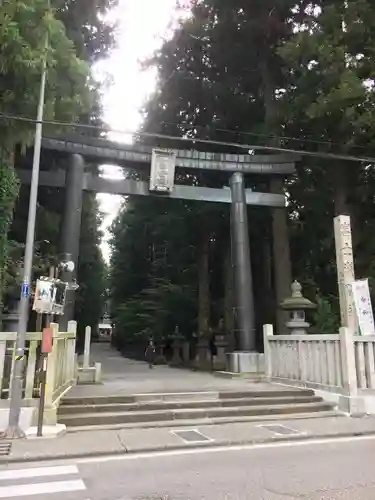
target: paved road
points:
(334, 470)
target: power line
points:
(248, 147)
(258, 134)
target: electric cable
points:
(194, 140)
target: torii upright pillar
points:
(244, 315)
(71, 228)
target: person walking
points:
(150, 354)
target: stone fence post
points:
(71, 366)
(267, 332)
(86, 352)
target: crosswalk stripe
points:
(41, 488)
(38, 472)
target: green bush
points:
(326, 317)
(8, 196)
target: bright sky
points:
(141, 26)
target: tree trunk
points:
(340, 190)
(281, 249)
(345, 179)
(204, 281)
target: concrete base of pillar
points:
(29, 419)
(26, 417)
(49, 432)
(90, 375)
(355, 406)
(245, 362)
(49, 416)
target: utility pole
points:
(14, 431)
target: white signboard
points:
(49, 296)
(162, 170)
(363, 307)
(43, 300)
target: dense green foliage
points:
(298, 74)
(23, 39)
(92, 271)
(8, 193)
(78, 35)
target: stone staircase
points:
(182, 409)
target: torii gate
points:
(76, 148)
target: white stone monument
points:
(345, 271)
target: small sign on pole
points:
(363, 306)
(163, 165)
(46, 341)
(25, 290)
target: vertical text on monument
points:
(345, 270)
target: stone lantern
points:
(297, 305)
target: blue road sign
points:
(25, 290)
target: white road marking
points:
(41, 488)
(38, 472)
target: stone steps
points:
(184, 396)
(176, 405)
(199, 422)
(175, 408)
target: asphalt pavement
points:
(332, 470)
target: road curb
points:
(162, 449)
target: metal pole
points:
(243, 283)
(43, 372)
(42, 395)
(14, 431)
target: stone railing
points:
(311, 360)
(61, 367)
(364, 361)
(342, 364)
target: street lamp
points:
(13, 430)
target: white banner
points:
(363, 307)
